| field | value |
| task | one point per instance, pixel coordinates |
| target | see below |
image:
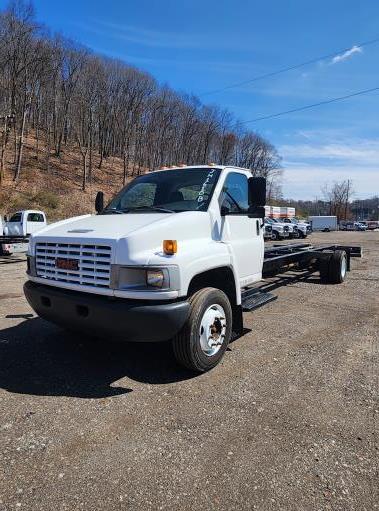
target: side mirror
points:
(257, 212)
(257, 192)
(99, 202)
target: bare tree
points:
(338, 196)
(63, 95)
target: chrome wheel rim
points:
(212, 330)
(343, 267)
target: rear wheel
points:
(334, 270)
(201, 343)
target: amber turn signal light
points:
(170, 247)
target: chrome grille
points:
(94, 263)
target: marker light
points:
(170, 247)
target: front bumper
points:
(103, 316)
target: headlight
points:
(142, 278)
(155, 278)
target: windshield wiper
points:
(112, 211)
(153, 208)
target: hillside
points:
(58, 192)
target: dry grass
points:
(59, 191)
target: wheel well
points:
(220, 278)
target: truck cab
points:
(167, 258)
(25, 223)
(278, 231)
(303, 228)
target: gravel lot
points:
(288, 421)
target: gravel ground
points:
(288, 421)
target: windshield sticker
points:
(203, 195)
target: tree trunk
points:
(84, 183)
(20, 147)
(3, 148)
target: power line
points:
(313, 105)
(290, 68)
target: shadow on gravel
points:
(11, 260)
(40, 359)
(293, 277)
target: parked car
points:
(360, 226)
(25, 223)
(279, 231)
(371, 224)
(349, 225)
(303, 228)
(292, 229)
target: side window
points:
(35, 217)
(16, 218)
(234, 193)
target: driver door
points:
(244, 235)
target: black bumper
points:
(103, 316)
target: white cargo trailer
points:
(286, 212)
(323, 223)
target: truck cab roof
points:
(209, 166)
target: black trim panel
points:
(108, 317)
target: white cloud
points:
(305, 182)
(327, 158)
(347, 54)
(364, 152)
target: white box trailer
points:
(286, 212)
(323, 223)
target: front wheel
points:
(201, 343)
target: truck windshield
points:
(170, 191)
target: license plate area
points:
(67, 264)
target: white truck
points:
(323, 223)
(25, 223)
(15, 232)
(303, 228)
(278, 231)
(177, 254)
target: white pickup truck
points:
(175, 255)
(24, 223)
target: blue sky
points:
(200, 46)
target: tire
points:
(334, 270)
(207, 305)
(274, 236)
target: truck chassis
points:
(305, 256)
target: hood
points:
(135, 238)
(107, 227)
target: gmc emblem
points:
(67, 264)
